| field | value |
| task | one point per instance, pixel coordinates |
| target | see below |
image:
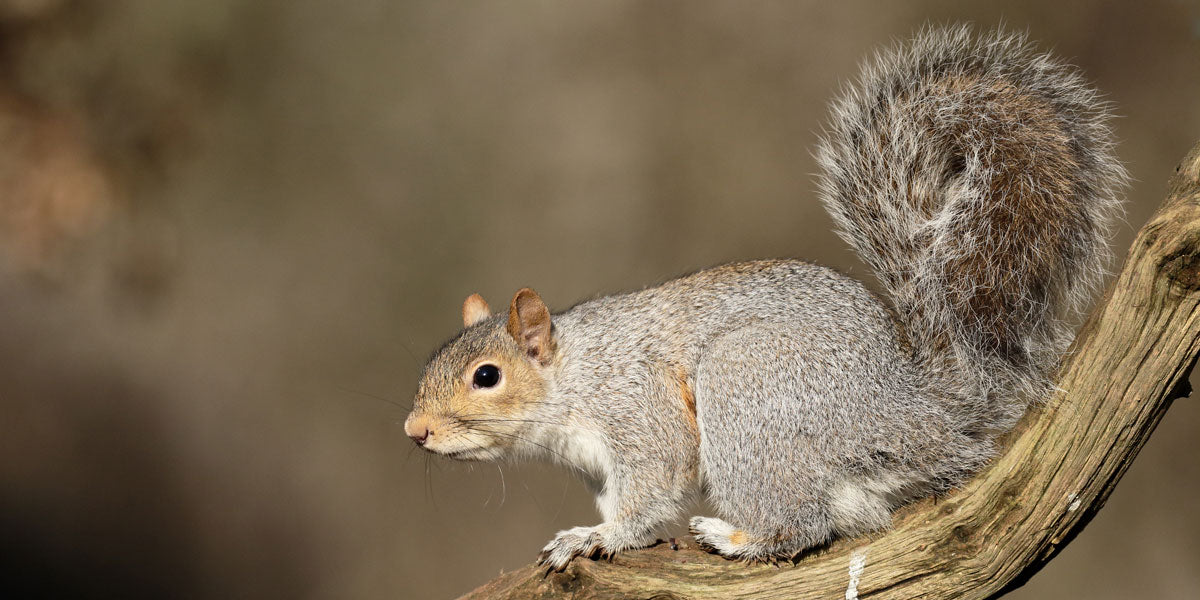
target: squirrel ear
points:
(475, 309)
(529, 324)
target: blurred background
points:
(232, 230)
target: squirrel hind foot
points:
(716, 535)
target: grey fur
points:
(974, 175)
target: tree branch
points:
(1129, 361)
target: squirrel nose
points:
(419, 438)
(418, 429)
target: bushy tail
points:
(976, 177)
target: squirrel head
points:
(479, 391)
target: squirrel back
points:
(976, 177)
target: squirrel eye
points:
(486, 376)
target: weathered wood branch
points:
(1130, 360)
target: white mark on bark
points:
(858, 560)
(1074, 505)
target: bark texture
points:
(1129, 361)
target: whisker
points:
(428, 485)
(416, 362)
(560, 456)
(561, 502)
(503, 485)
(381, 398)
(475, 419)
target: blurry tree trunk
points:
(1129, 361)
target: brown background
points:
(231, 230)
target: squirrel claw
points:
(580, 541)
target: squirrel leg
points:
(648, 475)
(765, 469)
(631, 521)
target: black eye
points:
(486, 376)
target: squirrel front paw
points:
(602, 540)
(578, 541)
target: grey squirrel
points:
(973, 174)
